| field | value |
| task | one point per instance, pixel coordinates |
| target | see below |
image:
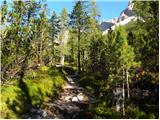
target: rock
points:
(39, 111)
(44, 114)
(38, 117)
(80, 96)
(75, 115)
(67, 98)
(72, 82)
(33, 110)
(74, 99)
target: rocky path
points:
(71, 103)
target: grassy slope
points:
(43, 85)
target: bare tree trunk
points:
(53, 52)
(64, 40)
(41, 46)
(83, 59)
(128, 93)
(117, 95)
(62, 60)
(123, 90)
(79, 56)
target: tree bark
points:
(52, 59)
(64, 39)
(83, 51)
(123, 90)
(62, 60)
(79, 56)
(41, 47)
(128, 93)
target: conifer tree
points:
(54, 26)
(11, 49)
(147, 33)
(79, 22)
(121, 57)
(32, 8)
(42, 31)
(64, 21)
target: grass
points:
(43, 86)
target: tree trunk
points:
(79, 56)
(72, 54)
(123, 90)
(25, 62)
(52, 58)
(83, 59)
(62, 60)
(117, 96)
(41, 46)
(128, 93)
(64, 40)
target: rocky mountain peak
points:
(125, 17)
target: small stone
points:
(33, 110)
(68, 98)
(80, 96)
(74, 99)
(39, 111)
(38, 117)
(44, 114)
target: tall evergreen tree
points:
(121, 56)
(54, 30)
(79, 22)
(42, 27)
(148, 28)
(32, 8)
(11, 46)
(64, 21)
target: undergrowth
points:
(103, 90)
(43, 85)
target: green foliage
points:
(96, 87)
(98, 58)
(134, 112)
(31, 39)
(148, 22)
(44, 86)
(44, 68)
(102, 111)
(8, 95)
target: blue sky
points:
(108, 8)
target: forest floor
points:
(70, 103)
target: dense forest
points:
(62, 66)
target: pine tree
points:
(64, 21)
(3, 36)
(42, 30)
(11, 49)
(79, 22)
(147, 33)
(54, 27)
(4, 12)
(121, 57)
(32, 8)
